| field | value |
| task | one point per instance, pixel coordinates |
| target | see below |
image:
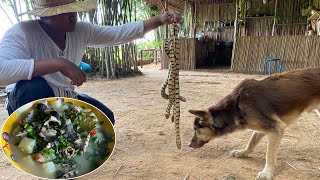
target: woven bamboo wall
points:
(212, 16)
(214, 13)
(257, 6)
(262, 26)
(287, 29)
(290, 11)
(226, 34)
(188, 57)
(295, 51)
(289, 19)
(259, 26)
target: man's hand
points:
(67, 68)
(171, 16)
(166, 18)
(73, 72)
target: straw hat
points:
(44, 8)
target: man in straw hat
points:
(40, 58)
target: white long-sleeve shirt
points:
(27, 42)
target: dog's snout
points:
(192, 144)
(197, 143)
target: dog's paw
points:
(264, 176)
(239, 153)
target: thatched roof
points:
(179, 4)
(204, 2)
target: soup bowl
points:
(21, 160)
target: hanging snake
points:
(171, 48)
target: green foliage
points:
(186, 21)
(316, 4)
(276, 16)
(149, 44)
(153, 8)
(145, 11)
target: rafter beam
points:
(173, 5)
(205, 2)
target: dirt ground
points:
(145, 140)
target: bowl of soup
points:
(58, 138)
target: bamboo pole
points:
(195, 19)
(5, 12)
(236, 21)
(164, 56)
(274, 19)
(244, 17)
(316, 39)
(235, 34)
(166, 9)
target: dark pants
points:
(37, 88)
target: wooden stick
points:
(117, 171)
(317, 111)
(292, 166)
(118, 149)
(185, 178)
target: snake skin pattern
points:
(171, 48)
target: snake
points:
(171, 48)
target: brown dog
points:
(267, 107)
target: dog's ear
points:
(198, 113)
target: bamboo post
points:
(234, 34)
(165, 38)
(192, 21)
(141, 56)
(166, 9)
(274, 19)
(156, 56)
(236, 21)
(195, 19)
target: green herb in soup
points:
(60, 140)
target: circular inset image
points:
(58, 138)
